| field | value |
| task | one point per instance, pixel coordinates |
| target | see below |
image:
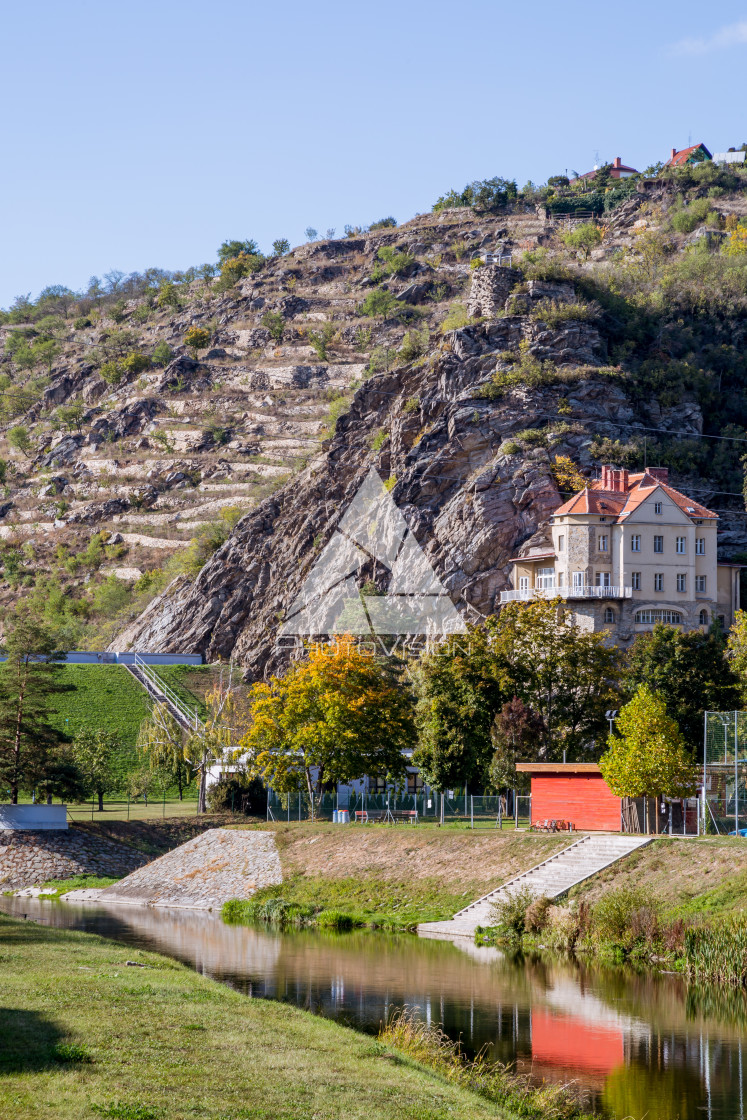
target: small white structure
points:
(33, 817)
(729, 157)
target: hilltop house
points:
(695, 154)
(618, 170)
(628, 552)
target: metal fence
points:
(724, 807)
(455, 807)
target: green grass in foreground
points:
(343, 903)
(55, 888)
(83, 1035)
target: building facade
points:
(630, 551)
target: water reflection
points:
(640, 1044)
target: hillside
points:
(461, 386)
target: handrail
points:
(189, 714)
(567, 592)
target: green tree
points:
(459, 694)
(29, 680)
(161, 740)
(311, 233)
(95, 755)
(647, 756)
(690, 672)
(162, 354)
(168, 296)
(231, 249)
(19, 439)
(275, 324)
(196, 338)
(71, 415)
(583, 238)
(281, 246)
(534, 652)
(336, 716)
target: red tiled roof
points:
(619, 504)
(679, 159)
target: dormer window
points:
(657, 507)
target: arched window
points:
(651, 615)
(704, 618)
(609, 614)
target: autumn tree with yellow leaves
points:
(647, 757)
(335, 716)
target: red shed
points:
(575, 792)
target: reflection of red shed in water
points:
(574, 792)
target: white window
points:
(523, 583)
(700, 546)
(658, 544)
(578, 581)
(681, 581)
(635, 542)
(658, 581)
(545, 577)
(561, 542)
(700, 583)
(682, 545)
(609, 614)
(704, 618)
(635, 579)
(602, 579)
(647, 617)
(603, 542)
(657, 507)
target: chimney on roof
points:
(618, 162)
(661, 474)
(674, 153)
(614, 480)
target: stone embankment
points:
(29, 858)
(203, 873)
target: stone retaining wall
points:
(28, 858)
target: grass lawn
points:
(83, 1035)
(101, 696)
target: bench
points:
(552, 826)
(386, 816)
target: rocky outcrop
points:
(468, 490)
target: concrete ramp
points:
(203, 873)
(551, 878)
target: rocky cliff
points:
(461, 386)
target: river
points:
(641, 1044)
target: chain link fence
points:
(454, 807)
(725, 773)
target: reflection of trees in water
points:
(674, 1036)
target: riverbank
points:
(386, 877)
(83, 1032)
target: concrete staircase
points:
(551, 878)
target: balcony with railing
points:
(546, 588)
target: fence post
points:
(516, 811)
(500, 813)
(472, 810)
(442, 809)
(268, 803)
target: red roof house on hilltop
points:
(697, 153)
(618, 170)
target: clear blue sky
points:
(144, 134)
